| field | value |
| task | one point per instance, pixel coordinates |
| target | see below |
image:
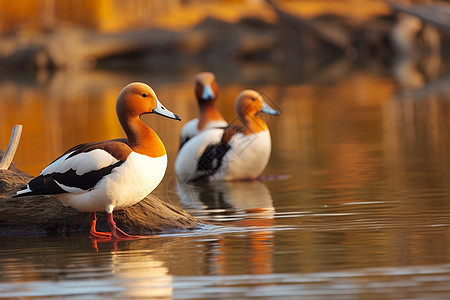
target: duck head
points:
(206, 88)
(248, 104)
(137, 99)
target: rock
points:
(46, 215)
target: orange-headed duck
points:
(113, 174)
(231, 153)
(206, 92)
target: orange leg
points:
(94, 232)
(117, 232)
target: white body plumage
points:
(126, 185)
(246, 158)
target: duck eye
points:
(144, 95)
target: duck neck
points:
(253, 124)
(141, 138)
(208, 113)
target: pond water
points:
(357, 204)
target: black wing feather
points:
(46, 184)
(211, 160)
(86, 181)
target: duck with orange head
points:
(112, 174)
(206, 92)
(231, 153)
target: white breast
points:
(190, 129)
(216, 124)
(247, 158)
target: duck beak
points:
(208, 93)
(162, 111)
(269, 110)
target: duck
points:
(231, 153)
(206, 92)
(113, 174)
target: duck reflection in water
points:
(246, 205)
(227, 200)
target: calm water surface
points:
(357, 205)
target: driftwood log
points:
(46, 215)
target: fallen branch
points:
(12, 147)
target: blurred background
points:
(62, 63)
